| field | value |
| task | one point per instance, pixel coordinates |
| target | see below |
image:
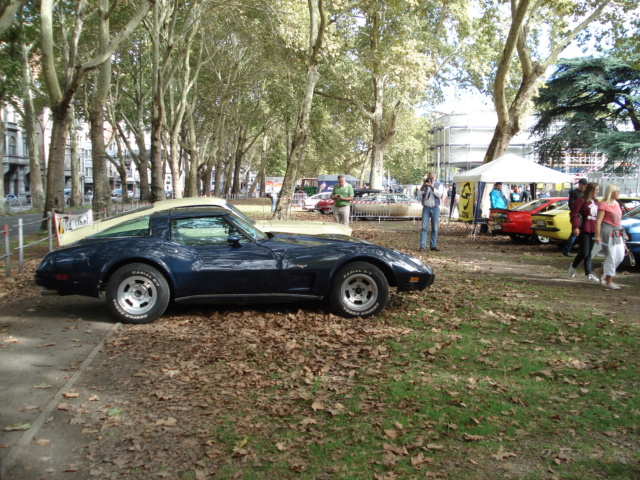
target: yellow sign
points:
(465, 204)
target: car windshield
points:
(531, 206)
(247, 226)
(628, 204)
(239, 214)
(635, 213)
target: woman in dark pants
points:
(584, 213)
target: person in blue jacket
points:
(497, 198)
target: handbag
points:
(632, 258)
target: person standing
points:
(342, 195)
(584, 213)
(497, 198)
(574, 194)
(274, 199)
(432, 192)
(515, 196)
(609, 234)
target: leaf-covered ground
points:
(503, 369)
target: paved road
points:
(31, 222)
(45, 344)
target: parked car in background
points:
(209, 253)
(310, 202)
(557, 224)
(516, 222)
(326, 206)
(11, 199)
(266, 226)
(116, 195)
(631, 224)
(386, 205)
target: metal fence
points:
(21, 245)
(50, 235)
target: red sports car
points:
(325, 206)
(517, 222)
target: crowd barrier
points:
(21, 246)
(50, 235)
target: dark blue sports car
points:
(631, 224)
(204, 254)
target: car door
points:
(204, 263)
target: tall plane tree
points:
(559, 23)
(317, 26)
(64, 79)
(389, 53)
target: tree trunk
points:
(511, 123)
(283, 208)
(2, 129)
(377, 155)
(143, 163)
(101, 188)
(35, 172)
(317, 26)
(237, 164)
(74, 198)
(55, 169)
(157, 113)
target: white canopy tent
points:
(512, 168)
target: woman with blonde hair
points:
(609, 235)
(584, 213)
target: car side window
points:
(138, 227)
(201, 231)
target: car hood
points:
(302, 228)
(629, 222)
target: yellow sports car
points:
(557, 224)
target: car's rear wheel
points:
(359, 289)
(540, 240)
(137, 293)
(518, 237)
(325, 212)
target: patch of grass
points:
(489, 374)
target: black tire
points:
(519, 238)
(324, 212)
(137, 293)
(359, 289)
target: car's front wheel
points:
(359, 289)
(137, 293)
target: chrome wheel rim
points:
(359, 292)
(137, 295)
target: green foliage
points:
(589, 105)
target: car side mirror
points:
(234, 241)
